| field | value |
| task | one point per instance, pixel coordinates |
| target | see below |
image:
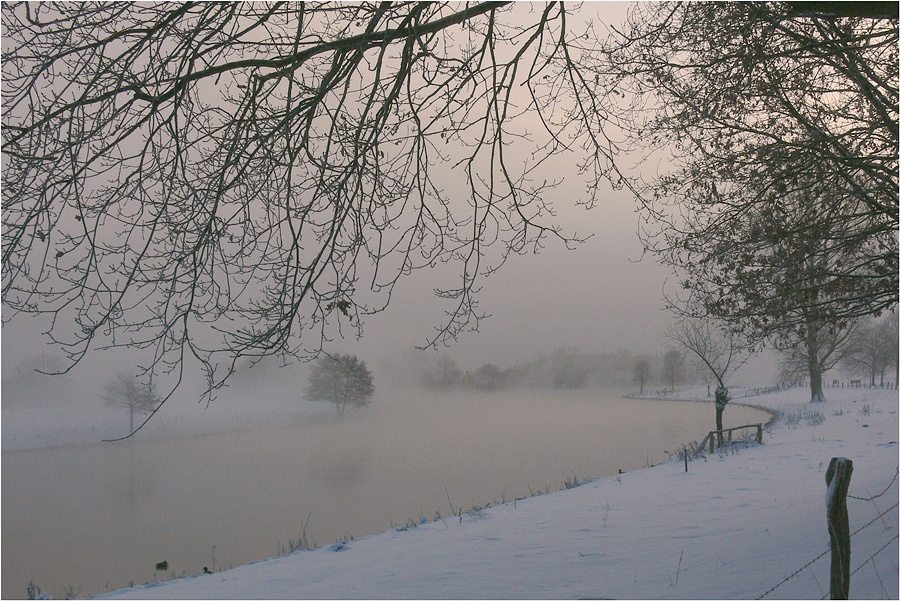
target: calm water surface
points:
(99, 517)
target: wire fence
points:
(887, 488)
(880, 516)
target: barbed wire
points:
(825, 552)
(860, 566)
(875, 519)
(879, 494)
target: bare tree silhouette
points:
(126, 392)
(228, 180)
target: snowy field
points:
(741, 523)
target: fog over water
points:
(100, 516)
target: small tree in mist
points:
(126, 392)
(713, 347)
(642, 373)
(342, 380)
(486, 377)
(444, 374)
(673, 368)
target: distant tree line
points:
(699, 355)
(564, 369)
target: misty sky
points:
(601, 297)
(598, 297)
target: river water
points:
(99, 517)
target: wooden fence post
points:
(838, 480)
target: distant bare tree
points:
(125, 391)
(442, 374)
(486, 377)
(642, 373)
(673, 368)
(715, 348)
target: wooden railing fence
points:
(719, 435)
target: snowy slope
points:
(739, 523)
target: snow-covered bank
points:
(739, 523)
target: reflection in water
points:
(127, 485)
(101, 516)
(340, 469)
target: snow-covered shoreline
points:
(740, 523)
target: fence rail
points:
(719, 435)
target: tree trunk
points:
(719, 426)
(721, 400)
(817, 395)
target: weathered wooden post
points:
(721, 400)
(759, 433)
(838, 480)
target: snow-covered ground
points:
(741, 523)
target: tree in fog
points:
(223, 180)
(125, 391)
(486, 377)
(779, 214)
(782, 125)
(442, 374)
(642, 373)
(892, 332)
(672, 371)
(340, 379)
(714, 348)
(767, 275)
(821, 349)
(873, 349)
